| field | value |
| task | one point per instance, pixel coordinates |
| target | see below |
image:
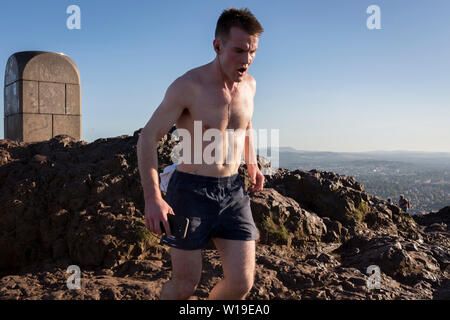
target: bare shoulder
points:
(193, 76)
(185, 83)
(183, 89)
(197, 76)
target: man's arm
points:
(249, 149)
(159, 124)
(256, 177)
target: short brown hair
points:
(241, 18)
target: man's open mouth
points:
(242, 70)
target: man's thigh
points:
(186, 264)
(238, 258)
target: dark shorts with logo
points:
(217, 207)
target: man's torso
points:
(216, 109)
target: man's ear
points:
(216, 45)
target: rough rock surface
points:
(66, 202)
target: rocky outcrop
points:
(442, 218)
(342, 200)
(65, 202)
(283, 221)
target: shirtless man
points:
(220, 94)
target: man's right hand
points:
(156, 211)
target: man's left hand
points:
(256, 179)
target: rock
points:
(325, 193)
(67, 183)
(389, 254)
(442, 216)
(281, 220)
(335, 231)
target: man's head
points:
(236, 41)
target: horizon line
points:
(371, 151)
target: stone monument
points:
(42, 97)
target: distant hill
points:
(423, 177)
(292, 157)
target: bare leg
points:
(186, 272)
(238, 263)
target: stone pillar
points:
(42, 97)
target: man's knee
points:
(184, 287)
(186, 272)
(241, 286)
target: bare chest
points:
(217, 109)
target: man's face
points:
(238, 53)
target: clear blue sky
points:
(324, 79)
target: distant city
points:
(422, 177)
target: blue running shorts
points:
(217, 207)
